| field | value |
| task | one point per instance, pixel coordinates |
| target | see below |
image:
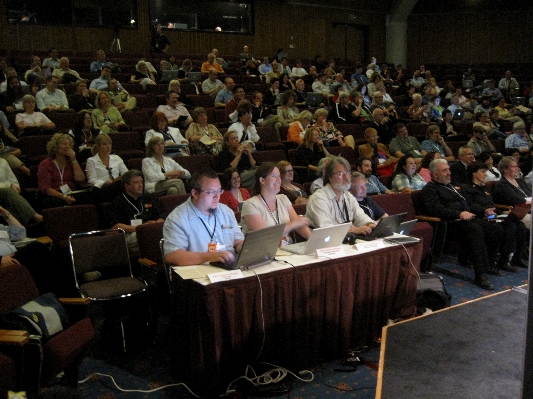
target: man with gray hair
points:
(334, 204)
(345, 111)
(369, 206)
(439, 198)
(519, 139)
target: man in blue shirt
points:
(373, 185)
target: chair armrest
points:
(45, 240)
(14, 337)
(503, 207)
(147, 262)
(75, 301)
(424, 218)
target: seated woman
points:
(382, 160)
(172, 62)
(104, 170)
(245, 129)
(424, 165)
(162, 175)
(237, 155)
(12, 98)
(269, 208)
(405, 179)
(233, 194)
(493, 174)
(60, 174)
(106, 118)
(294, 191)
(375, 80)
(9, 152)
(171, 136)
(483, 120)
(297, 127)
(203, 137)
(447, 129)
(285, 83)
(361, 89)
(11, 199)
(31, 123)
(287, 111)
(84, 135)
(328, 132)
(142, 75)
(310, 152)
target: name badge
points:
(220, 247)
(212, 247)
(136, 222)
(64, 188)
(417, 153)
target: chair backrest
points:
(148, 237)
(489, 185)
(18, 287)
(61, 222)
(270, 156)
(396, 203)
(168, 270)
(300, 209)
(105, 251)
(169, 202)
(195, 162)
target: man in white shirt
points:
(173, 111)
(50, 98)
(298, 71)
(212, 85)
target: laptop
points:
(167, 76)
(459, 114)
(194, 77)
(385, 227)
(468, 84)
(259, 248)
(404, 228)
(314, 99)
(323, 237)
(518, 101)
(518, 212)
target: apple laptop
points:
(194, 77)
(167, 76)
(323, 237)
(404, 229)
(459, 114)
(385, 227)
(314, 99)
(259, 248)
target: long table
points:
(311, 313)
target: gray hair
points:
(27, 98)
(505, 163)
(433, 164)
(330, 168)
(416, 95)
(357, 175)
(343, 95)
(519, 125)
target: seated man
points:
(219, 60)
(492, 92)
(519, 139)
(246, 55)
(484, 106)
(231, 106)
(480, 141)
(373, 185)
(50, 98)
(133, 208)
(82, 98)
(439, 198)
(298, 71)
(202, 229)
(211, 64)
(435, 142)
(507, 112)
(507, 83)
(454, 106)
(369, 206)
(64, 73)
(334, 204)
(173, 111)
(458, 169)
(272, 96)
(320, 85)
(10, 72)
(102, 83)
(51, 62)
(359, 77)
(96, 66)
(274, 73)
(403, 144)
(301, 95)
(265, 66)
(225, 94)
(417, 81)
(212, 85)
(284, 66)
(121, 99)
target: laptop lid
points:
(325, 237)
(167, 76)
(459, 114)
(313, 99)
(387, 226)
(468, 84)
(194, 77)
(518, 100)
(406, 227)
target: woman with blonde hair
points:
(328, 132)
(106, 117)
(297, 127)
(162, 175)
(142, 75)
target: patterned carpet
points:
(151, 368)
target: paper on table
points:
(195, 272)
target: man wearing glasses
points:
(519, 139)
(334, 204)
(202, 229)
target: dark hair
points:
(483, 156)
(199, 175)
(263, 171)
(359, 161)
(129, 175)
(11, 94)
(286, 96)
(237, 87)
(273, 80)
(445, 112)
(225, 181)
(474, 167)
(50, 77)
(400, 167)
(81, 119)
(398, 126)
(427, 159)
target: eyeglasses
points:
(289, 171)
(212, 193)
(341, 174)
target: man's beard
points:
(368, 173)
(341, 186)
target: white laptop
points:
(323, 237)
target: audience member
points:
(52, 62)
(31, 122)
(121, 99)
(345, 111)
(328, 132)
(507, 83)
(236, 154)
(480, 142)
(435, 142)
(492, 92)
(287, 110)
(159, 42)
(106, 118)
(211, 64)
(84, 135)
(273, 73)
(212, 85)
(519, 139)
(273, 95)
(64, 74)
(82, 99)
(176, 144)
(245, 129)
(225, 94)
(294, 191)
(203, 137)
(311, 151)
(265, 66)
(297, 128)
(96, 66)
(403, 144)
(11, 98)
(492, 172)
(424, 165)
(50, 98)
(373, 184)
(458, 169)
(35, 70)
(176, 114)
(405, 178)
(367, 204)
(383, 162)
(234, 195)
(142, 75)
(298, 71)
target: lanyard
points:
(276, 220)
(167, 136)
(211, 234)
(344, 214)
(367, 208)
(61, 172)
(137, 209)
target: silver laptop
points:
(167, 76)
(404, 229)
(314, 99)
(459, 114)
(259, 248)
(194, 77)
(323, 237)
(385, 227)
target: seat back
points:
(61, 222)
(18, 287)
(105, 251)
(148, 237)
(270, 156)
(396, 203)
(169, 202)
(168, 270)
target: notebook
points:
(404, 229)
(167, 76)
(314, 99)
(323, 237)
(259, 248)
(194, 77)
(385, 227)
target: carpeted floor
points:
(152, 367)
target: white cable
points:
(138, 390)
